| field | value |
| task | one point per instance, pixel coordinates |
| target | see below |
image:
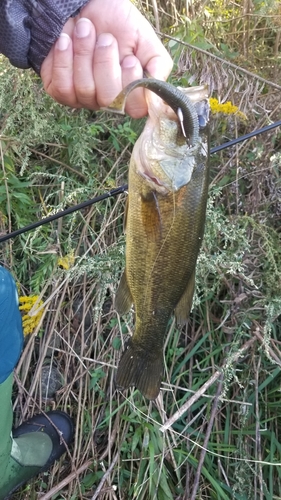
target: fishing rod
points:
(62, 213)
(245, 137)
(122, 189)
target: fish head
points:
(162, 154)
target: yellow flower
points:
(67, 261)
(29, 322)
(227, 108)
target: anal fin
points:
(126, 215)
(184, 305)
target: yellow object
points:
(227, 108)
(29, 322)
(67, 261)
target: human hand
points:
(107, 46)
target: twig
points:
(67, 480)
(68, 167)
(206, 440)
(258, 475)
(268, 349)
(104, 478)
(156, 15)
(204, 387)
(221, 60)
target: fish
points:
(164, 224)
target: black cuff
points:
(28, 29)
(47, 20)
(15, 32)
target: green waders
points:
(35, 445)
(20, 458)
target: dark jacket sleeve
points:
(29, 28)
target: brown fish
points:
(168, 186)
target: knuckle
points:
(83, 49)
(84, 92)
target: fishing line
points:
(121, 189)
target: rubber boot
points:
(10, 473)
(34, 446)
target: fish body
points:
(168, 187)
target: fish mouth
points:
(160, 183)
(164, 165)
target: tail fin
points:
(140, 368)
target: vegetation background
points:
(223, 369)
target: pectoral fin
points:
(126, 215)
(151, 217)
(183, 308)
(123, 298)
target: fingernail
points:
(83, 27)
(63, 41)
(104, 40)
(129, 62)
